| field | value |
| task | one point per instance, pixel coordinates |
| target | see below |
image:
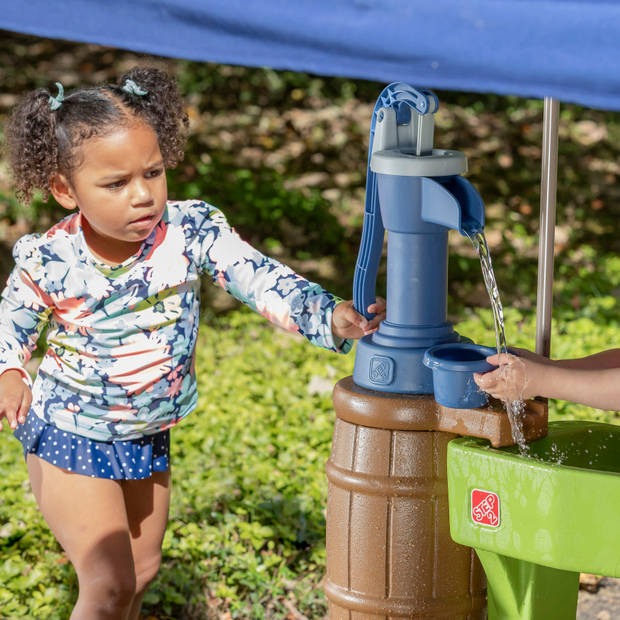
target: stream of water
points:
(515, 408)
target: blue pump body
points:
(417, 209)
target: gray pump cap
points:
(401, 162)
(406, 149)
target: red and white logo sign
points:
(485, 508)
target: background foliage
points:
(284, 155)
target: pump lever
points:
(396, 109)
(421, 100)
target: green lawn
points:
(247, 526)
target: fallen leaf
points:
(589, 582)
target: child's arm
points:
(270, 287)
(598, 361)
(24, 310)
(23, 314)
(593, 381)
(604, 359)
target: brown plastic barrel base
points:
(389, 551)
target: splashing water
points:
(515, 408)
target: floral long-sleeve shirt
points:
(120, 356)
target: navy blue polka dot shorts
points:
(132, 459)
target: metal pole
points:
(548, 187)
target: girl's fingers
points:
(349, 323)
(15, 407)
(24, 407)
(378, 307)
(374, 323)
(355, 318)
(345, 317)
(485, 380)
(11, 417)
(501, 359)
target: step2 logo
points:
(381, 369)
(485, 508)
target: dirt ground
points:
(602, 605)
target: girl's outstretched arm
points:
(589, 381)
(267, 286)
(348, 323)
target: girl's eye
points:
(115, 184)
(154, 173)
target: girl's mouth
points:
(142, 221)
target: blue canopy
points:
(566, 49)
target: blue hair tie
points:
(56, 102)
(131, 88)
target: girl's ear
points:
(61, 190)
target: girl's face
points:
(120, 190)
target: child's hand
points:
(515, 379)
(348, 323)
(15, 398)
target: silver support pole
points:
(548, 187)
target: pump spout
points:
(452, 202)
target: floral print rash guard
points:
(120, 356)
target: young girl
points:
(116, 283)
(593, 381)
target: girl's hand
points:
(515, 379)
(348, 323)
(15, 398)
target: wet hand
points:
(15, 398)
(348, 323)
(511, 381)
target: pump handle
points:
(403, 99)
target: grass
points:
(246, 531)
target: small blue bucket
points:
(453, 367)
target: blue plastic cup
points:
(453, 367)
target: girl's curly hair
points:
(42, 142)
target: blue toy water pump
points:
(415, 193)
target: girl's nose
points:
(141, 192)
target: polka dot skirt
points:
(132, 459)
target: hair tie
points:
(131, 88)
(56, 102)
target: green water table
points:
(537, 522)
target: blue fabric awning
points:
(567, 49)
